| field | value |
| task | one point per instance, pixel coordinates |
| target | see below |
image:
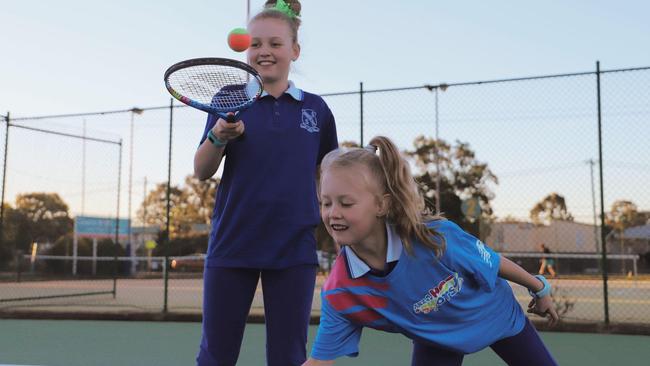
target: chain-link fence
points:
(46, 172)
(559, 160)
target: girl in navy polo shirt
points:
(404, 272)
(266, 207)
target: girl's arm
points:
(207, 160)
(514, 273)
(208, 157)
(315, 362)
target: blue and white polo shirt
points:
(456, 301)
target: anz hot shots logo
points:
(439, 295)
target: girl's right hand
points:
(227, 131)
(544, 307)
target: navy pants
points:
(523, 349)
(227, 297)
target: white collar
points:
(358, 267)
(296, 93)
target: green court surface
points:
(98, 343)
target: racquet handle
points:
(230, 118)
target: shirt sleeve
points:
(209, 123)
(469, 255)
(328, 138)
(336, 335)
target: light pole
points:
(83, 170)
(434, 88)
(134, 111)
(438, 178)
(591, 163)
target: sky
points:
(83, 56)
(98, 55)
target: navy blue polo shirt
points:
(266, 207)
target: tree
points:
(551, 208)
(200, 194)
(191, 204)
(349, 144)
(462, 177)
(154, 206)
(625, 214)
(43, 216)
(37, 217)
(195, 207)
(12, 234)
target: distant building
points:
(142, 234)
(200, 229)
(633, 240)
(559, 236)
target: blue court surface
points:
(98, 343)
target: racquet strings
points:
(218, 86)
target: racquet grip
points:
(230, 118)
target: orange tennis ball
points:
(239, 40)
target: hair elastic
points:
(283, 7)
(371, 148)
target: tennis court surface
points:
(98, 343)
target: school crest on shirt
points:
(309, 121)
(439, 295)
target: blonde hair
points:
(392, 174)
(271, 12)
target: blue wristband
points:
(215, 140)
(545, 291)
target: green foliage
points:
(461, 176)
(625, 214)
(191, 204)
(552, 208)
(37, 217)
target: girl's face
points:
(351, 207)
(272, 49)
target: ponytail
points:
(407, 209)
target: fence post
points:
(169, 178)
(361, 113)
(602, 198)
(438, 175)
(4, 181)
(117, 223)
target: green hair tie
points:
(283, 7)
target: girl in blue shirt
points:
(402, 271)
(266, 209)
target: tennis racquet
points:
(218, 86)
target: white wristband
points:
(545, 291)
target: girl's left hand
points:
(544, 307)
